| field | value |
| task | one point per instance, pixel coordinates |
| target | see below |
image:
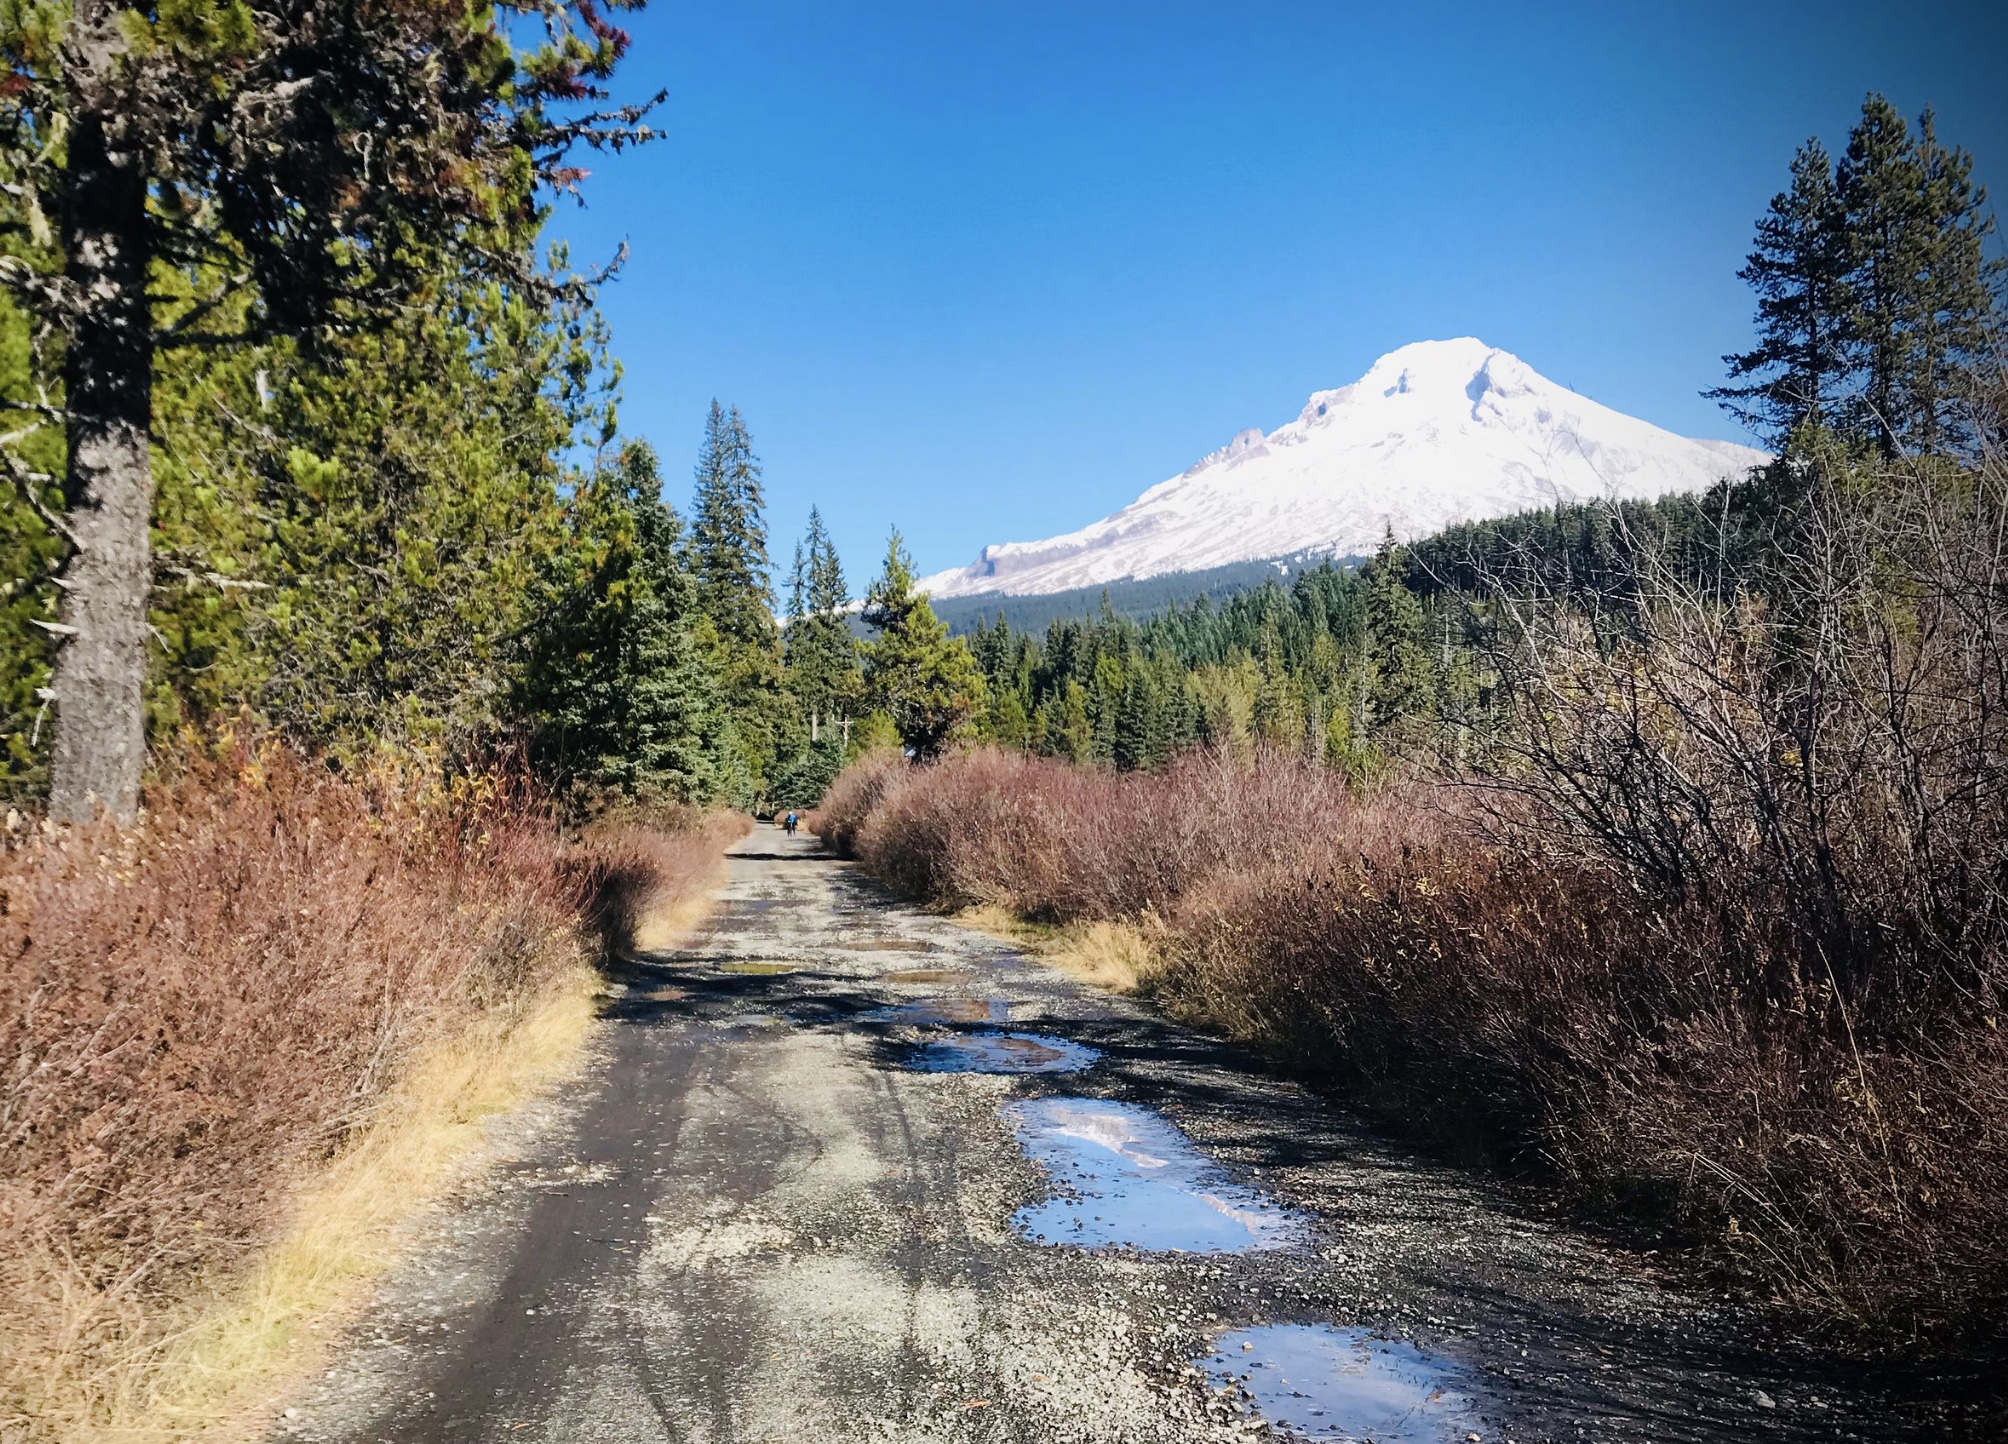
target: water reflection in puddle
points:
(1128, 1179)
(927, 975)
(1002, 1053)
(758, 968)
(940, 1012)
(1330, 1384)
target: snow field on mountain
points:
(1435, 433)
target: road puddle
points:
(927, 975)
(884, 945)
(944, 1012)
(1343, 1386)
(1002, 1053)
(1126, 1178)
(759, 969)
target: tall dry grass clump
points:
(199, 1012)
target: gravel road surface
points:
(800, 1192)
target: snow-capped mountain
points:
(1435, 433)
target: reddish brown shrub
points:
(852, 797)
(627, 866)
(1060, 843)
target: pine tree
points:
(1918, 280)
(620, 694)
(1063, 727)
(727, 553)
(926, 680)
(821, 654)
(301, 168)
(821, 661)
(728, 534)
(1136, 723)
(1799, 271)
(1402, 684)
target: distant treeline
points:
(1130, 597)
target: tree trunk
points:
(100, 738)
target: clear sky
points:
(986, 271)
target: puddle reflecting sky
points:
(1329, 1384)
(1127, 1178)
(1001, 1053)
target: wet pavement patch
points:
(1001, 1053)
(927, 975)
(759, 969)
(943, 1011)
(1317, 1382)
(1126, 1178)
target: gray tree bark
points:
(100, 736)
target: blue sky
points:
(987, 271)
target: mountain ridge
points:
(1434, 433)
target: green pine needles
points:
(1875, 292)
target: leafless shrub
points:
(1824, 759)
(1061, 843)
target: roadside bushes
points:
(629, 868)
(1422, 945)
(197, 1012)
(1059, 843)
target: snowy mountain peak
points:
(1434, 433)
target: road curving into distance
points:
(842, 1170)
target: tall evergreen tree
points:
(1797, 372)
(728, 562)
(1916, 227)
(203, 174)
(925, 679)
(1401, 682)
(619, 693)
(822, 656)
(728, 534)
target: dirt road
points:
(789, 1203)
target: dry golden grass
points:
(1118, 956)
(672, 916)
